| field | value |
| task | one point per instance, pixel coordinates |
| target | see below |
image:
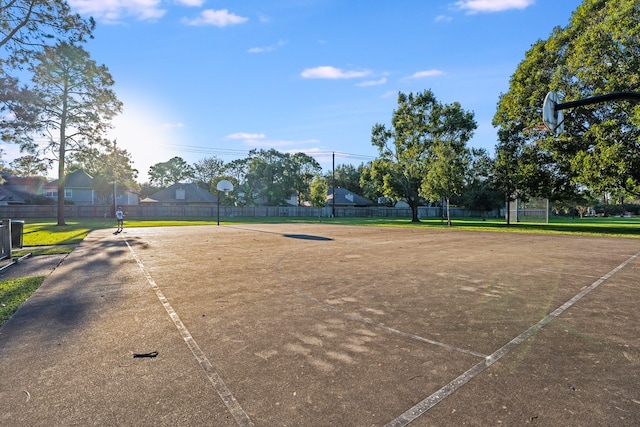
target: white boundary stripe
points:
(220, 387)
(422, 407)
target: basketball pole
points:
(551, 108)
(225, 186)
(597, 99)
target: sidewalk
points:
(66, 356)
(42, 265)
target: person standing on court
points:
(120, 219)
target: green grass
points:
(13, 292)
(47, 233)
(46, 250)
(610, 226)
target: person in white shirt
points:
(120, 218)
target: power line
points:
(235, 152)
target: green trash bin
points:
(17, 229)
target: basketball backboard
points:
(553, 118)
(225, 186)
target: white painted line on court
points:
(220, 387)
(385, 327)
(422, 407)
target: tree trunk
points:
(61, 178)
(448, 214)
(414, 211)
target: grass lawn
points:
(13, 292)
(47, 233)
(610, 226)
(44, 237)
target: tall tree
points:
(26, 27)
(446, 175)
(318, 193)
(302, 168)
(346, 176)
(597, 53)
(479, 192)
(76, 104)
(170, 172)
(266, 177)
(208, 171)
(370, 188)
(507, 174)
(405, 149)
(237, 170)
(29, 165)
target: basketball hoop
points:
(540, 128)
(225, 186)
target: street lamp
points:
(225, 186)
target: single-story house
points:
(24, 186)
(182, 194)
(346, 199)
(8, 197)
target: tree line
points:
(423, 157)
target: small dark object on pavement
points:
(152, 354)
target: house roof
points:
(23, 181)
(346, 197)
(76, 179)
(9, 197)
(192, 193)
(22, 187)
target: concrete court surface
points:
(316, 324)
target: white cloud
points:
(217, 18)
(194, 3)
(426, 73)
(478, 6)
(243, 135)
(112, 11)
(373, 82)
(260, 140)
(326, 72)
(443, 18)
(269, 48)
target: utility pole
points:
(114, 167)
(333, 186)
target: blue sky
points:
(203, 78)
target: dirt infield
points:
(333, 325)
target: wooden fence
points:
(194, 211)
